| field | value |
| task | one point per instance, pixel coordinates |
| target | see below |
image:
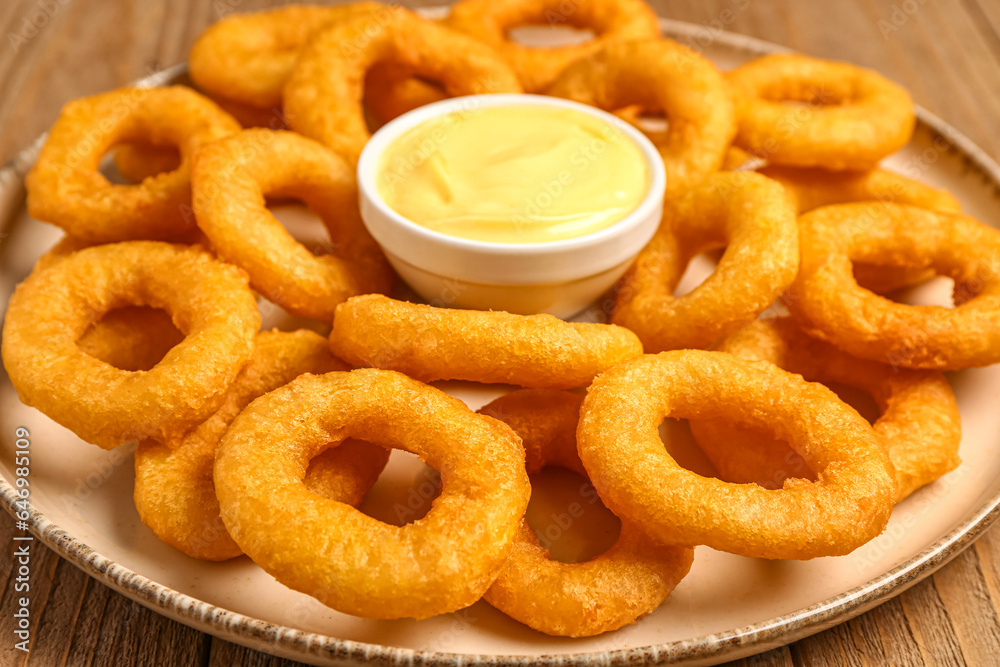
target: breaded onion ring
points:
(231, 179)
(919, 423)
(629, 580)
(610, 20)
(749, 215)
(430, 344)
(620, 446)
(247, 58)
(66, 188)
(849, 117)
(323, 97)
(813, 188)
(345, 559)
(174, 491)
(662, 75)
(831, 305)
(52, 309)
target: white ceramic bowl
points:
(557, 277)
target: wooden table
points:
(947, 52)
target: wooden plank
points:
(225, 654)
(966, 598)
(779, 657)
(928, 620)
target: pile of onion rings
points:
(261, 442)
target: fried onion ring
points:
(842, 116)
(345, 559)
(174, 491)
(813, 188)
(247, 58)
(662, 75)
(830, 304)
(611, 20)
(231, 179)
(919, 423)
(132, 338)
(429, 343)
(744, 211)
(66, 188)
(52, 309)
(323, 97)
(620, 446)
(629, 580)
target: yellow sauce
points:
(516, 174)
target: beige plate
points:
(726, 608)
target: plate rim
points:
(300, 644)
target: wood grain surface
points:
(947, 52)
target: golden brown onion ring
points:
(247, 58)
(430, 344)
(610, 20)
(174, 490)
(345, 559)
(620, 446)
(132, 338)
(919, 422)
(830, 304)
(52, 309)
(809, 112)
(324, 95)
(742, 211)
(231, 180)
(629, 580)
(66, 188)
(662, 76)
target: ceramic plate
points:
(728, 607)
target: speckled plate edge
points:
(323, 649)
